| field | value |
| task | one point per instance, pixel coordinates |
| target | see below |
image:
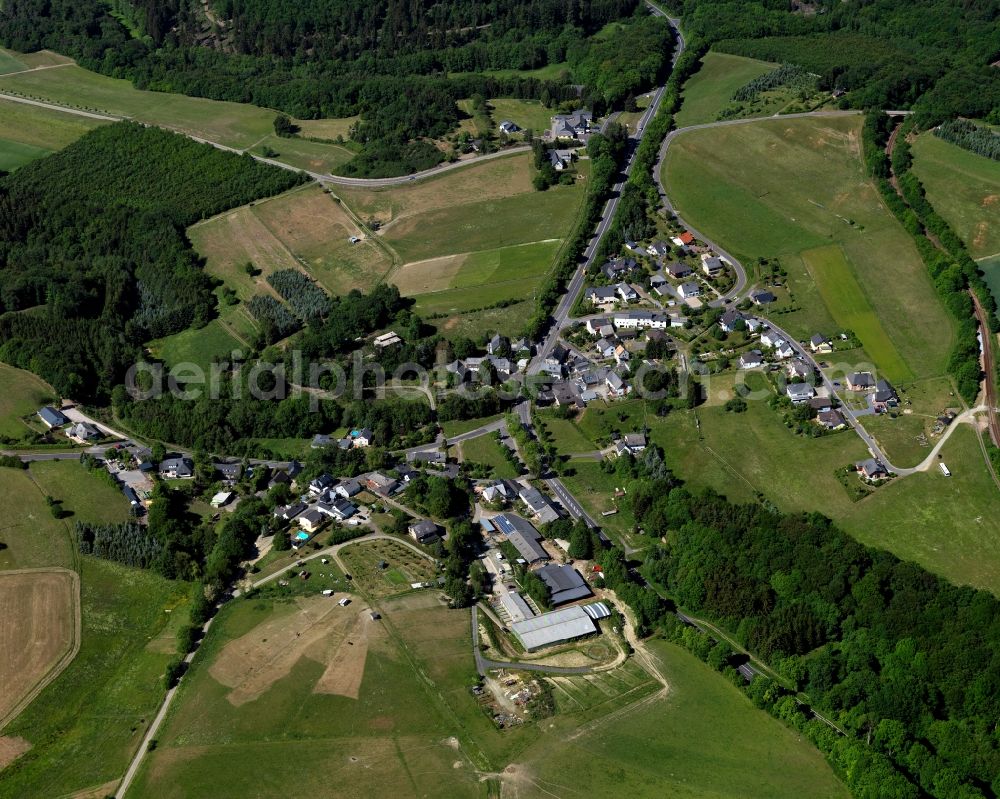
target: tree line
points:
(904, 662)
(970, 136)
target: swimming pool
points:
(302, 535)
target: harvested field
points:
(39, 633)
(317, 628)
(303, 229)
(11, 748)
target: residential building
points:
(820, 343)
(177, 468)
(311, 520)
(626, 292)
(799, 392)
(571, 126)
(424, 531)
(386, 340)
(508, 128)
(712, 265)
(679, 271)
(799, 369)
(541, 506)
(860, 381)
(753, 359)
(617, 387)
(619, 268)
(821, 404)
(337, 508)
(658, 249)
(498, 345)
(430, 456)
(564, 582)
(83, 432)
(885, 396)
(601, 295)
(594, 325)
(622, 355)
(871, 469)
(561, 159)
(229, 472)
(689, 290)
(605, 348)
(634, 320)
(322, 483)
(363, 437)
(730, 319)
(381, 484)
(51, 417)
(222, 499)
(762, 298)
(831, 419)
(321, 441)
(349, 488)
(290, 512)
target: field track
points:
(10, 640)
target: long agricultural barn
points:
(552, 628)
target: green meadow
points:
(786, 187)
(711, 88)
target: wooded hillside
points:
(93, 256)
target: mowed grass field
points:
(964, 188)
(711, 88)
(304, 229)
(702, 739)
(526, 114)
(21, 394)
(234, 329)
(487, 451)
(233, 124)
(784, 187)
(28, 132)
(296, 738)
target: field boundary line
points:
(60, 665)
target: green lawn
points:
(711, 88)
(86, 725)
(702, 740)
(33, 537)
(526, 114)
(784, 187)
(41, 127)
(487, 451)
(569, 438)
(311, 156)
(964, 188)
(594, 489)
(88, 497)
(458, 426)
(196, 346)
(14, 154)
(21, 394)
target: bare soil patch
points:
(39, 633)
(251, 664)
(432, 274)
(346, 666)
(11, 748)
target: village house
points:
(799, 370)
(571, 126)
(762, 298)
(349, 488)
(831, 419)
(799, 392)
(635, 320)
(386, 340)
(712, 265)
(630, 443)
(679, 271)
(508, 128)
(605, 348)
(423, 531)
(683, 240)
(626, 292)
(885, 397)
(689, 290)
(820, 343)
(751, 360)
(290, 512)
(821, 404)
(594, 325)
(322, 483)
(177, 468)
(619, 268)
(871, 469)
(729, 320)
(538, 504)
(601, 295)
(336, 508)
(311, 520)
(83, 432)
(561, 159)
(616, 386)
(658, 249)
(51, 417)
(381, 484)
(860, 381)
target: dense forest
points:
(933, 55)
(400, 65)
(906, 664)
(93, 256)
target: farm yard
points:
(785, 188)
(964, 188)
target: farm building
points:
(515, 606)
(553, 628)
(564, 582)
(525, 538)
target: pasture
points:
(302, 229)
(9, 63)
(595, 490)
(87, 497)
(711, 88)
(33, 538)
(15, 154)
(21, 394)
(85, 725)
(40, 628)
(526, 114)
(701, 739)
(487, 451)
(964, 188)
(199, 346)
(344, 695)
(788, 186)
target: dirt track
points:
(39, 633)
